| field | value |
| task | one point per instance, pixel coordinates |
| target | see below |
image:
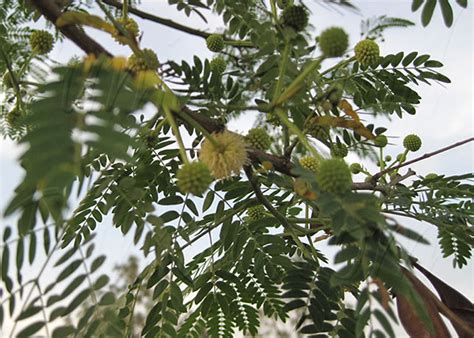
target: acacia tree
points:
(175, 176)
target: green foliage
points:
(103, 142)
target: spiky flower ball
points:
(194, 178)
(130, 26)
(333, 42)
(412, 142)
(218, 65)
(309, 163)
(215, 43)
(367, 52)
(257, 212)
(334, 177)
(318, 131)
(431, 176)
(225, 155)
(149, 61)
(356, 168)
(381, 141)
(339, 150)
(41, 42)
(295, 17)
(258, 138)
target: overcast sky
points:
(444, 115)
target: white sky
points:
(444, 116)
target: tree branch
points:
(281, 164)
(157, 19)
(52, 12)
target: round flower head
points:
(333, 42)
(367, 52)
(381, 141)
(258, 138)
(412, 142)
(295, 17)
(255, 213)
(215, 43)
(194, 178)
(334, 177)
(149, 61)
(227, 156)
(356, 168)
(431, 176)
(41, 42)
(339, 150)
(218, 65)
(318, 131)
(309, 163)
(130, 26)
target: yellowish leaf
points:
(85, 19)
(348, 110)
(333, 121)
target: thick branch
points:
(52, 12)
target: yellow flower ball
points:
(226, 156)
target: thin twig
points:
(425, 156)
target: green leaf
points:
(384, 322)
(416, 4)
(169, 216)
(447, 12)
(107, 299)
(63, 331)
(30, 311)
(428, 11)
(208, 200)
(171, 200)
(97, 263)
(31, 329)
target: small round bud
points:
(333, 42)
(401, 158)
(318, 131)
(258, 138)
(431, 176)
(218, 65)
(194, 178)
(339, 150)
(149, 61)
(334, 177)
(412, 142)
(309, 163)
(381, 141)
(255, 213)
(41, 42)
(295, 17)
(356, 168)
(215, 43)
(388, 158)
(367, 52)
